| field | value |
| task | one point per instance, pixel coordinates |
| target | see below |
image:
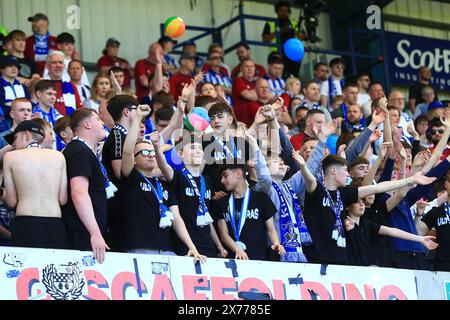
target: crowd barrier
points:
(37, 274)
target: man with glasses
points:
(122, 109)
(320, 73)
(437, 131)
(363, 82)
(334, 86)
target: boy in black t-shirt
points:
(245, 234)
(193, 191)
(325, 201)
(150, 206)
(438, 218)
(361, 231)
(85, 212)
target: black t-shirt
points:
(254, 233)
(215, 156)
(113, 150)
(415, 92)
(381, 251)
(189, 203)
(320, 220)
(436, 218)
(27, 68)
(141, 213)
(81, 161)
(359, 241)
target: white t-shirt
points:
(362, 98)
(324, 89)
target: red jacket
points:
(177, 82)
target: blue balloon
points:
(294, 49)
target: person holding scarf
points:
(325, 201)
(149, 207)
(334, 86)
(245, 217)
(40, 43)
(193, 191)
(355, 121)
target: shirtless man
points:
(35, 183)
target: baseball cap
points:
(112, 42)
(26, 125)
(9, 61)
(37, 17)
(187, 55)
(164, 39)
(436, 105)
(190, 43)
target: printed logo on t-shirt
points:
(251, 214)
(146, 187)
(442, 221)
(188, 191)
(326, 203)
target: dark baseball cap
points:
(165, 39)
(37, 17)
(9, 61)
(26, 125)
(112, 42)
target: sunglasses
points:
(146, 153)
(440, 131)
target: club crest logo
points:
(64, 282)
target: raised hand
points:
(428, 242)
(154, 138)
(446, 119)
(159, 54)
(326, 129)
(412, 131)
(142, 111)
(260, 117)
(421, 158)
(297, 157)
(402, 153)
(278, 104)
(115, 84)
(341, 151)
(36, 115)
(375, 135)
(199, 77)
(188, 89)
(349, 224)
(378, 116)
(383, 104)
(384, 148)
(420, 178)
(421, 206)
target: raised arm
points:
(441, 145)
(418, 178)
(176, 122)
(166, 170)
(311, 182)
(422, 228)
(264, 183)
(368, 178)
(157, 83)
(427, 241)
(130, 141)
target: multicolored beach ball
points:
(175, 27)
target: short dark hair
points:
(60, 125)
(306, 85)
(436, 122)
(313, 112)
(243, 44)
(117, 104)
(375, 83)
(440, 184)
(116, 69)
(164, 114)
(44, 85)
(358, 161)
(350, 85)
(202, 101)
(78, 116)
(275, 60)
(15, 34)
(233, 166)
(163, 98)
(420, 119)
(186, 139)
(44, 123)
(335, 61)
(65, 37)
(318, 64)
(74, 61)
(219, 107)
(363, 74)
(281, 4)
(333, 160)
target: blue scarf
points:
(203, 216)
(110, 188)
(332, 90)
(356, 127)
(243, 216)
(69, 97)
(314, 106)
(165, 215)
(41, 47)
(338, 230)
(292, 233)
(225, 148)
